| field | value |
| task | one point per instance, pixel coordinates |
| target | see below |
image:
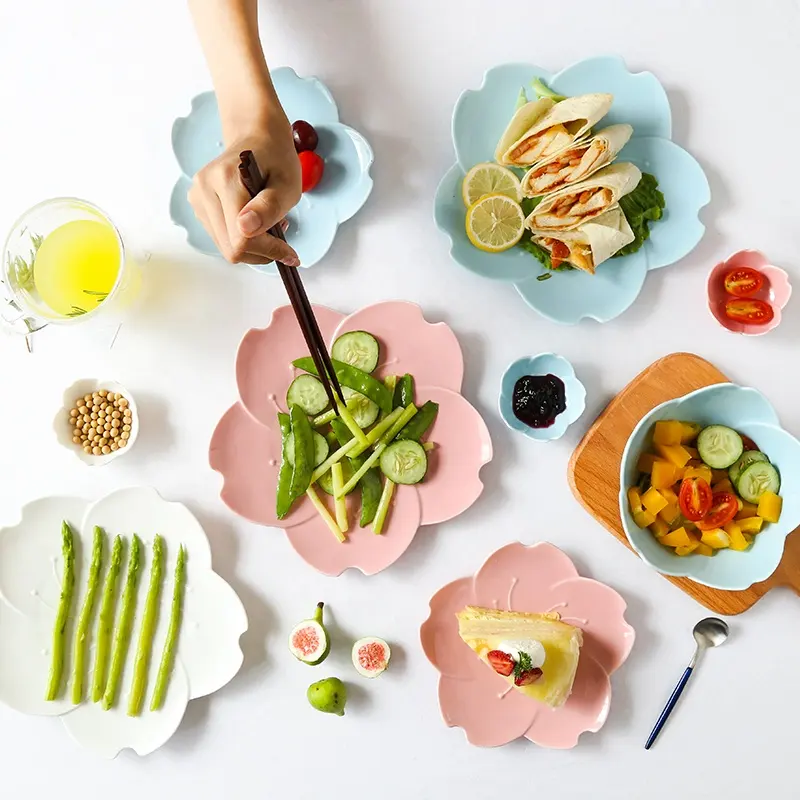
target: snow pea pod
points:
(404, 392)
(422, 421)
(283, 495)
(370, 482)
(303, 451)
(353, 378)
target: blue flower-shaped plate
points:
(543, 364)
(345, 186)
(479, 119)
(749, 412)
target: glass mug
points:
(64, 263)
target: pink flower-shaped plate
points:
(776, 291)
(246, 445)
(538, 579)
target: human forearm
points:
(228, 32)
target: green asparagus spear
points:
(149, 621)
(85, 619)
(62, 617)
(122, 635)
(105, 625)
(171, 643)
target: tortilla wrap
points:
(576, 163)
(566, 122)
(575, 205)
(593, 242)
(523, 120)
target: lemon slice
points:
(495, 223)
(485, 179)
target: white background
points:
(88, 92)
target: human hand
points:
(237, 224)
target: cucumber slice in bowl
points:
(358, 349)
(719, 446)
(321, 449)
(748, 457)
(756, 479)
(308, 393)
(364, 411)
(404, 462)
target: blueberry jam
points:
(538, 400)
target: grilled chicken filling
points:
(545, 143)
(573, 166)
(573, 209)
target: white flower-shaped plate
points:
(208, 654)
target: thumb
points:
(260, 214)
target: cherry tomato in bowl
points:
(749, 311)
(312, 167)
(694, 498)
(724, 507)
(743, 282)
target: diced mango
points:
(703, 472)
(659, 528)
(738, 542)
(669, 495)
(677, 538)
(674, 453)
(747, 510)
(750, 524)
(645, 462)
(748, 537)
(716, 538)
(689, 432)
(634, 500)
(692, 451)
(670, 513)
(653, 501)
(769, 507)
(686, 549)
(664, 474)
(704, 550)
(723, 486)
(718, 475)
(644, 519)
(668, 432)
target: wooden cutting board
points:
(595, 464)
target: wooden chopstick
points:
(254, 183)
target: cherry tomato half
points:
(748, 443)
(558, 254)
(312, 167)
(754, 312)
(743, 282)
(694, 498)
(724, 507)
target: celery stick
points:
(383, 506)
(403, 420)
(332, 459)
(327, 416)
(325, 514)
(378, 431)
(341, 502)
(348, 420)
(365, 467)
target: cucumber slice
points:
(364, 411)
(404, 462)
(719, 446)
(358, 349)
(748, 457)
(326, 481)
(756, 479)
(321, 449)
(308, 393)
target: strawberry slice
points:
(501, 662)
(527, 677)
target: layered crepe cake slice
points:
(536, 654)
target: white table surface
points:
(91, 82)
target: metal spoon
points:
(709, 632)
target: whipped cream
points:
(533, 647)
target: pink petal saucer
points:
(776, 291)
(246, 445)
(539, 578)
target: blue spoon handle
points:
(668, 707)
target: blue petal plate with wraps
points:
(345, 186)
(479, 119)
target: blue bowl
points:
(750, 413)
(345, 186)
(543, 364)
(479, 118)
